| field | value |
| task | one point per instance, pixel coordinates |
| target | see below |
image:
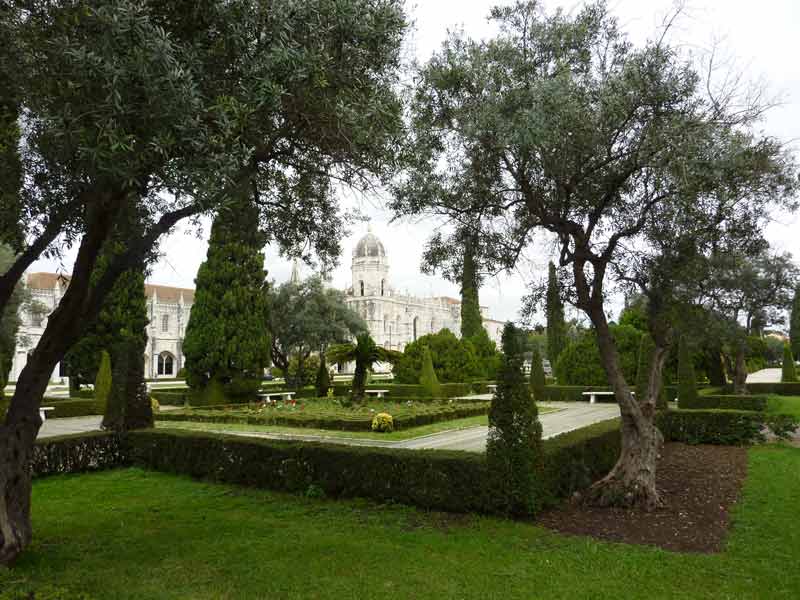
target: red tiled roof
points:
(166, 293)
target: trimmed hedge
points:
(77, 453)
(721, 427)
(453, 481)
(779, 389)
(356, 422)
(73, 408)
(171, 397)
(726, 402)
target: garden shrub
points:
(427, 378)
(102, 384)
(383, 423)
(514, 441)
(77, 453)
(323, 380)
(788, 371)
(171, 397)
(721, 427)
(454, 360)
(731, 402)
(579, 363)
(537, 376)
(779, 389)
(73, 408)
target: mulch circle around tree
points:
(698, 485)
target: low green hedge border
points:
(779, 389)
(78, 453)
(355, 423)
(728, 402)
(453, 481)
(73, 408)
(721, 427)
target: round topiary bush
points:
(154, 405)
(383, 423)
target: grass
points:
(403, 434)
(786, 405)
(137, 534)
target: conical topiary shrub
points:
(323, 381)
(788, 372)
(514, 444)
(427, 377)
(537, 376)
(112, 411)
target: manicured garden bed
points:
(325, 413)
(158, 536)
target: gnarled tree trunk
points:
(632, 480)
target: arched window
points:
(416, 320)
(433, 326)
(385, 323)
(381, 287)
(361, 283)
(166, 363)
(164, 323)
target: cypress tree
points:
(471, 320)
(687, 382)
(794, 324)
(323, 381)
(513, 446)
(537, 376)
(556, 327)
(102, 384)
(226, 337)
(427, 377)
(788, 371)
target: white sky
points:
(761, 40)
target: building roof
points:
(369, 246)
(166, 293)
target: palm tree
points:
(365, 352)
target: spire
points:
(295, 277)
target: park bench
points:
(492, 388)
(43, 412)
(376, 393)
(593, 395)
(270, 397)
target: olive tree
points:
(560, 125)
(139, 115)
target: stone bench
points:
(270, 397)
(43, 410)
(376, 393)
(593, 395)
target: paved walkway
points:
(765, 376)
(569, 416)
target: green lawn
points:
(787, 405)
(404, 434)
(138, 534)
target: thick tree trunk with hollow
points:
(632, 481)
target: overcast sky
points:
(760, 39)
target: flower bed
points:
(333, 413)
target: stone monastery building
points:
(394, 319)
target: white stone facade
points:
(168, 310)
(395, 320)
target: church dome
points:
(369, 246)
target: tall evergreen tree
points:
(513, 447)
(788, 371)
(687, 381)
(323, 381)
(556, 327)
(794, 323)
(226, 337)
